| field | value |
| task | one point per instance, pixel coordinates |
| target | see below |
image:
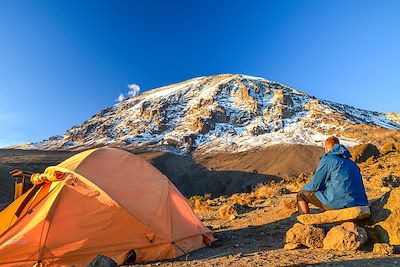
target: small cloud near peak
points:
(133, 89)
(121, 97)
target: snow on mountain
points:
(220, 113)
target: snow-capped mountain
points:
(221, 113)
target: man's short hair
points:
(331, 141)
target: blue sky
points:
(63, 61)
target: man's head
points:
(330, 142)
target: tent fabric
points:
(108, 202)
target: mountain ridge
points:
(226, 112)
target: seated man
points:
(336, 184)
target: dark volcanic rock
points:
(102, 261)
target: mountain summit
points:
(222, 113)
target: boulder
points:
(231, 211)
(363, 152)
(291, 246)
(102, 261)
(344, 237)
(307, 235)
(384, 224)
(383, 249)
(388, 148)
(335, 216)
(391, 181)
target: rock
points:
(335, 216)
(388, 147)
(202, 126)
(226, 211)
(232, 217)
(384, 224)
(216, 227)
(307, 235)
(391, 181)
(363, 152)
(268, 191)
(102, 261)
(218, 115)
(383, 249)
(385, 189)
(291, 246)
(344, 237)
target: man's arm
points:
(318, 178)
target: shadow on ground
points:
(192, 178)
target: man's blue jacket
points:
(337, 183)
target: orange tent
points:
(101, 201)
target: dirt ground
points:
(256, 238)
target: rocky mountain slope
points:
(230, 113)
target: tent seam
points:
(50, 215)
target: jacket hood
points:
(340, 150)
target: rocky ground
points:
(255, 238)
(251, 227)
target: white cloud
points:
(121, 98)
(133, 89)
